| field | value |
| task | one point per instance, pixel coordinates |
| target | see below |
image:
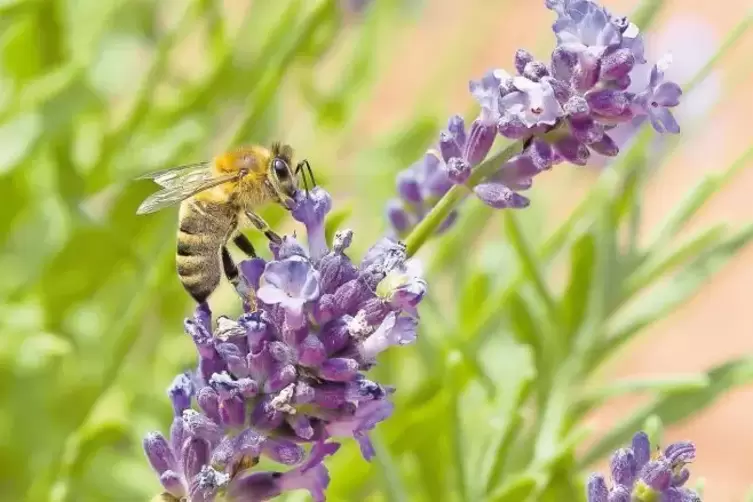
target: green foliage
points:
(491, 397)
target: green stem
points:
(439, 213)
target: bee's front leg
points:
(264, 227)
(242, 243)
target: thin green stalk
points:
(439, 213)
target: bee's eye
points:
(281, 168)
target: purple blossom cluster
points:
(637, 476)
(559, 110)
(290, 371)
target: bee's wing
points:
(180, 183)
(188, 173)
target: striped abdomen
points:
(202, 231)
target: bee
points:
(214, 197)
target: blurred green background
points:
(512, 391)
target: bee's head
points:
(281, 175)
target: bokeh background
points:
(96, 92)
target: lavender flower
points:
(639, 477)
(563, 109)
(692, 43)
(289, 372)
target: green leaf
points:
(531, 267)
(696, 198)
(659, 263)
(476, 287)
(394, 489)
(505, 438)
(517, 489)
(674, 407)
(654, 427)
(666, 298)
(646, 12)
(575, 299)
(675, 383)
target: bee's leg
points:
(242, 242)
(263, 226)
(232, 274)
(230, 268)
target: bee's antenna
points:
(299, 169)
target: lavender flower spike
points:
(290, 376)
(560, 109)
(636, 477)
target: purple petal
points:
(597, 489)
(458, 170)
(312, 351)
(682, 452)
(283, 451)
(663, 121)
(641, 449)
(233, 411)
(209, 402)
(623, 467)
(448, 146)
(199, 425)
(605, 146)
(522, 58)
(608, 102)
(617, 64)
(178, 435)
(173, 483)
(619, 494)
(295, 277)
(339, 369)
(668, 94)
(158, 452)
(456, 127)
(334, 336)
(195, 455)
(499, 196)
(180, 392)
(301, 425)
(251, 271)
(480, 141)
(394, 330)
(408, 187)
(657, 475)
(311, 209)
(572, 150)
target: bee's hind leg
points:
(263, 226)
(233, 275)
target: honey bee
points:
(214, 197)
